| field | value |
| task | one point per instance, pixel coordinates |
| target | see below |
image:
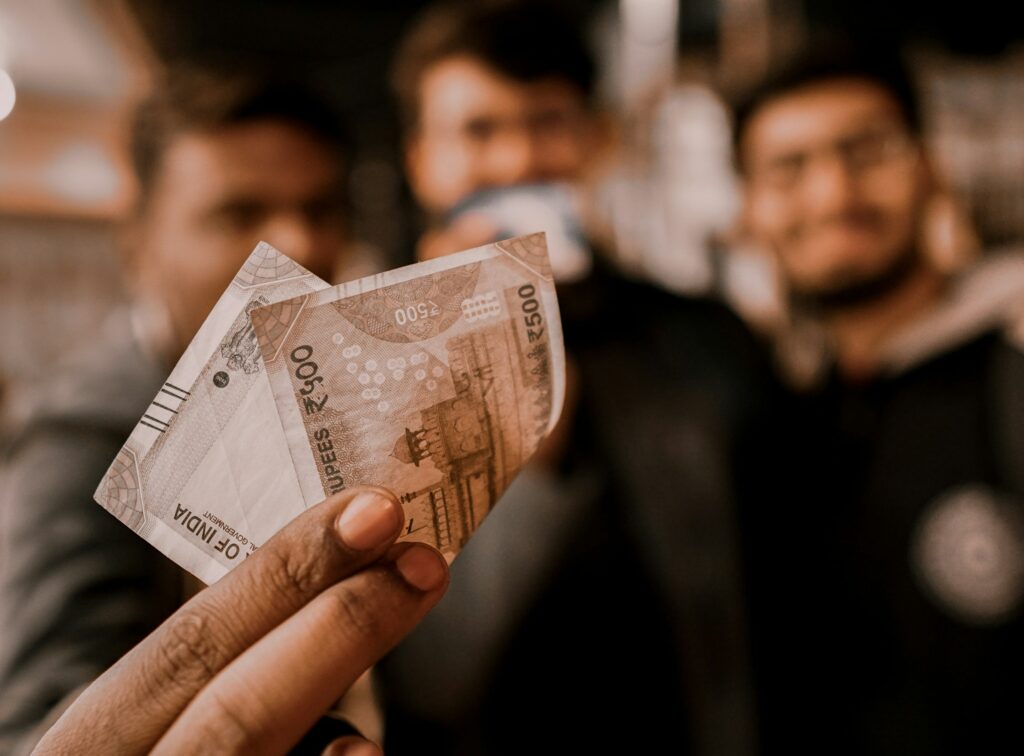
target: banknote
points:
(438, 380)
(214, 467)
(206, 475)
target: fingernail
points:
(421, 567)
(369, 520)
(352, 748)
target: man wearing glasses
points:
(887, 582)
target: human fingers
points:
(131, 705)
(470, 230)
(267, 698)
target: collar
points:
(988, 296)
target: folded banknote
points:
(437, 380)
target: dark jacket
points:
(77, 588)
(886, 571)
(616, 590)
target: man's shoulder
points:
(701, 335)
(103, 386)
(997, 285)
(667, 356)
(1013, 331)
(983, 304)
(999, 281)
(633, 305)
(1008, 354)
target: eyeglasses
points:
(861, 154)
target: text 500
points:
(412, 313)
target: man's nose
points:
(829, 185)
(513, 159)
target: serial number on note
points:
(419, 311)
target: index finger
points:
(273, 693)
(157, 679)
(468, 231)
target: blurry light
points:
(7, 94)
(650, 20)
(82, 172)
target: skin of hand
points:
(466, 232)
(252, 662)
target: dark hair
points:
(196, 100)
(824, 60)
(523, 40)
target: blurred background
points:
(71, 69)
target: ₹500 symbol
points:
(531, 315)
(420, 311)
(308, 372)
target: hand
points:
(252, 662)
(468, 231)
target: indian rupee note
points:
(206, 476)
(438, 380)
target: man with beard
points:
(887, 576)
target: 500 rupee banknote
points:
(205, 476)
(438, 380)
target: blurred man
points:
(492, 97)
(888, 583)
(498, 102)
(221, 163)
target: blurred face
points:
(219, 193)
(836, 186)
(479, 129)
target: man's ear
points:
(947, 234)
